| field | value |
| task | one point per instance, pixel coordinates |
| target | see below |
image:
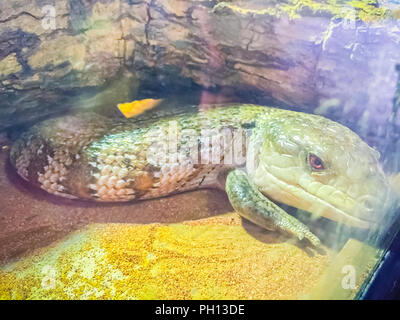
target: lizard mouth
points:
(295, 196)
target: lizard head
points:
(317, 165)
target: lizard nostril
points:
(368, 204)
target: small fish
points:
(134, 108)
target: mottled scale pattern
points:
(88, 156)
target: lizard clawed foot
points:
(255, 207)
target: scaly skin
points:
(252, 205)
(87, 156)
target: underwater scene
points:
(198, 150)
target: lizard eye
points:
(315, 162)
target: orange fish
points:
(134, 108)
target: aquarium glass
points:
(175, 149)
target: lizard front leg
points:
(254, 206)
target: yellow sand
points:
(213, 258)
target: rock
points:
(300, 55)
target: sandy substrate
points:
(156, 249)
(210, 259)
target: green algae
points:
(364, 10)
